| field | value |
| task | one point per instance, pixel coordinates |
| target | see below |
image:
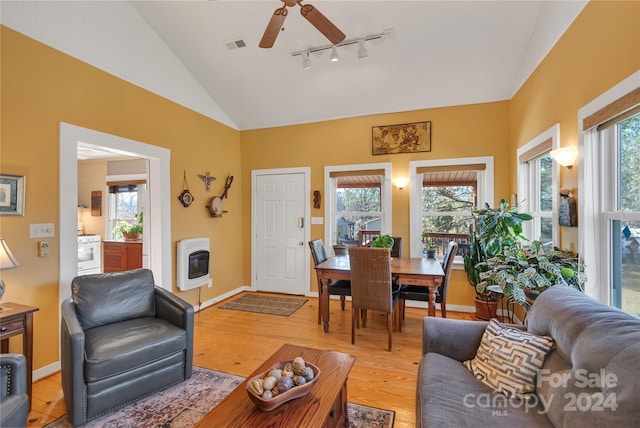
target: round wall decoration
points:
(185, 198)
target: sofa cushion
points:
(448, 395)
(508, 359)
(109, 298)
(117, 348)
(597, 366)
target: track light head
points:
(306, 62)
(362, 50)
(334, 54)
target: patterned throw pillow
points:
(508, 359)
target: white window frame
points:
(330, 191)
(110, 201)
(528, 186)
(598, 263)
(485, 194)
(610, 151)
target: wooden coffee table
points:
(324, 406)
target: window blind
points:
(536, 151)
(613, 110)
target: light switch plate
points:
(42, 230)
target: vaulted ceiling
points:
(437, 53)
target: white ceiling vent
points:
(235, 44)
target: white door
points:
(280, 233)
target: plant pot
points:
(431, 254)
(340, 250)
(131, 236)
(485, 310)
(532, 294)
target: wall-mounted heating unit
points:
(193, 263)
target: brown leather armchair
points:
(122, 338)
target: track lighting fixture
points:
(306, 62)
(363, 52)
(334, 55)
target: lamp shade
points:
(565, 156)
(7, 259)
(401, 183)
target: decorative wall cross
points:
(207, 181)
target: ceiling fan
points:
(312, 15)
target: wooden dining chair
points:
(396, 250)
(339, 287)
(371, 288)
(416, 292)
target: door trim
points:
(159, 201)
(307, 220)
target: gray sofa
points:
(122, 338)
(591, 377)
(14, 401)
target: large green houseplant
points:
(492, 230)
(530, 270)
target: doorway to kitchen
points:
(159, 223)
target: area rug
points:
(272, 305)
(183, 405)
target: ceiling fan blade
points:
(318, 20)
(273, 28)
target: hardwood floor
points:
(238, 342)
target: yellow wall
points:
(42, 87)
(600, 49)
(91, 177)
(462, 131)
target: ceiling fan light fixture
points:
(306, 62)
(334, 54)
(362, 50)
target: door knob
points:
(301, 243)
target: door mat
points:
(273, 305)
(183, 405)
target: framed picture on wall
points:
(405, 138)
(11, 194)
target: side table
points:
(18, 319)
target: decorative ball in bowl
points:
(285, 381)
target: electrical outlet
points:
(43, 248)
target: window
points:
(125, 203)
(447, 200)
(538, 189)
(359, 199)
(609, 215)
(622, 141)
(443, 194)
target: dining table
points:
(421, 271)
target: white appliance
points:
(89, 254)
(193, 263)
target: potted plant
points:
(130, 231)
(383, 241)
(339, 249)
(528, 271)
(492, 230)
(430, 247)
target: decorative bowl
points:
(283, 397)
